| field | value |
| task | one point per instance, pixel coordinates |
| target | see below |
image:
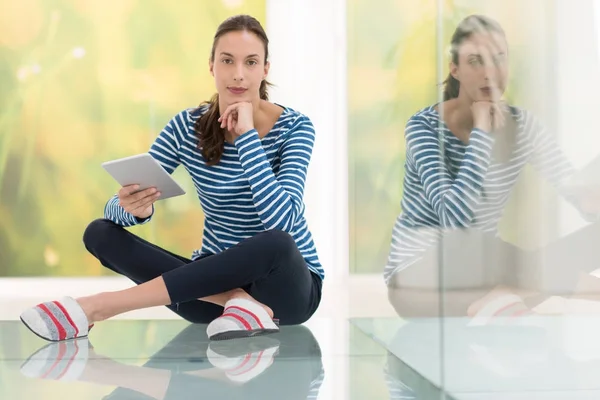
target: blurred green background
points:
(393, 58)
(83, 82)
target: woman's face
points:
(239, 66)
(482, 68)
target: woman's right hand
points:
(487, 116)
(137, 203)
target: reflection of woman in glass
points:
(463, 157)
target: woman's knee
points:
(277, 235)
(282, 242)
(410, 303)
(97, 232)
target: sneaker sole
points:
(242, 334)
(50, 340)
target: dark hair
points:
(467, 27)
(211, 137)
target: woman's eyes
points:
(230, 61)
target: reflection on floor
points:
(539, 357)
(169, 359)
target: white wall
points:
(308, 65)
(578, 78)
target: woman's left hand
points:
(238, 118)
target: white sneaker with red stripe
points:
(63, 361)
(57, 320)
(241, 318)
(504, 309)
(244, 359)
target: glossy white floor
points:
(151, 354)
(351, 349)
(539, 357)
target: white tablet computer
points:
(143, 170)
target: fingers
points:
(140, 200)
(482, 115)
(127, 190)
(141, 205)
(223, 119)
(229, 117)
(490, 106)
(231, 109)
(230, 121)
(138, 211)
(498, 115)
(484, 107)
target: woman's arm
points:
(278, 199)
(453, 200)
(550, 161)
(547, 157)
(165, 150)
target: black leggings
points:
(268, 266)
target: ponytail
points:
(264, 90)
(211, 137)
(451, 88)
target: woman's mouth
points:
(236, 90)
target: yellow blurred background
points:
(83, 82)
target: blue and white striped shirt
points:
(258, 184)
(449, 184)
